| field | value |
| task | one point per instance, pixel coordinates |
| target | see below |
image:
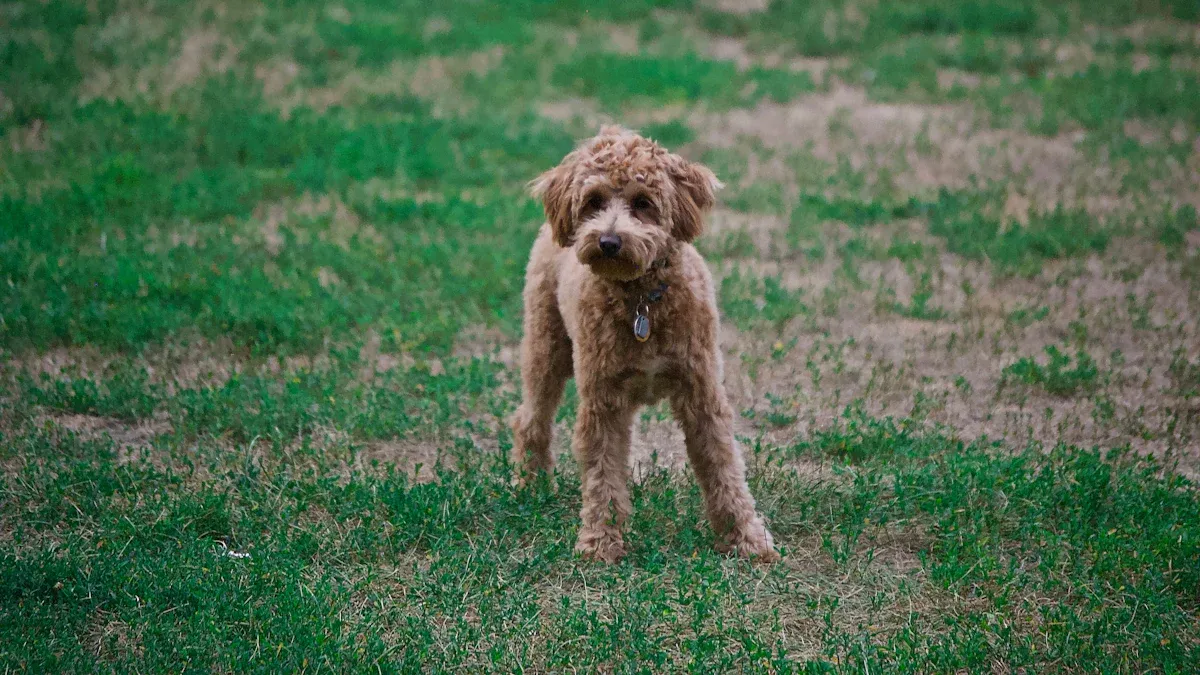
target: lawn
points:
(260, 276)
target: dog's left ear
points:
(695, 193)
(553, 188)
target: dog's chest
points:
(649, 379)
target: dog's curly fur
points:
(580, 302)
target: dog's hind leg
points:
(545, 369)
(707, 420)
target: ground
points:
(260, 272)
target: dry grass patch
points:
(951, 372)
(200, 54)
(740, 7)
(131, 440)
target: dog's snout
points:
(610, 244)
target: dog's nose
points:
(610, 244)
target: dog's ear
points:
(553, 188)
(695, 193)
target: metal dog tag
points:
(641, 327)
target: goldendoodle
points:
(616, 295)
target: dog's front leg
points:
(545, 367)
(704, 413)
(602, 435)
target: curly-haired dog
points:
(617, 296)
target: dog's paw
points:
(604, 545)
(531, 474)
(522, 479)
(751, 540)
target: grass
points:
(919, 306)
(1062, 375)
(116, 282)
(1098, 96)
(748, 301)
(260, 276)
(426, 574)
(616, 79)
(963, 221)
(1173, 228)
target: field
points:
(260, 272)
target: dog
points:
(616, 296)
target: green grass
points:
(1097, 96)
(37, 68)
(260, 298)
(1173, 228)
(260, 404)
(90, 262)
(428, 574)
(853, 212)
(964, 221)
(919, 306)
(748, 300)
(1062, 375)
(616, 79)
(671, 134)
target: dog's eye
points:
(642, 203)
(595, 202)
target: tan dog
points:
(616, 295)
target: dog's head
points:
(621, 202)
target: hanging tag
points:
(641, 327)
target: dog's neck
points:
(642, 293)
(651, 278)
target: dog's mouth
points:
(618, 269)
(621, 267)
